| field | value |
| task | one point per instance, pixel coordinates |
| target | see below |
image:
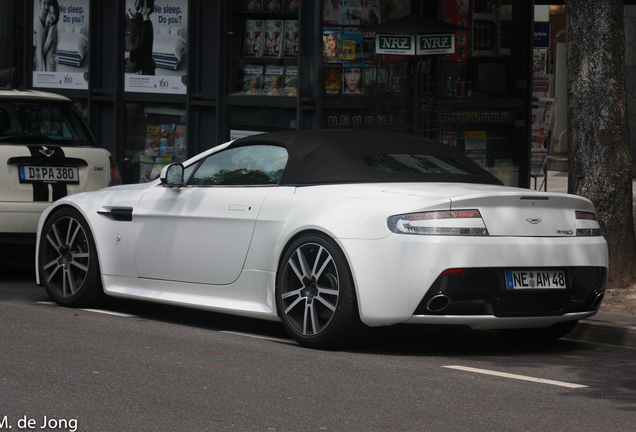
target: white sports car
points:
(327, 231)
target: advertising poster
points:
(457, 13)
(60, 44)
(156, 34)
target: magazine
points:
(542, 85)
(350, 12)
(180, 149)
(290, 5)
(272, 5)
(290, 84)
(272, 39)
(541, 122)
(290, 43)
(351, 44)
(331, 44)
(253, 38)
(368, 45)
(253, 80)
(475, 142)
(331, 9)
(353, 78)
(166, 140)
(150, 167)
(273, 80)
(449, 138)
(369, 12)
(153, 140)
(252, 5)
(332, 79)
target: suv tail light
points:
(115, 178)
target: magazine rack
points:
(539, 162)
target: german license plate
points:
(48, 174)
(535, 279)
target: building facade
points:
(160, 81)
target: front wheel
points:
(67, 261)
(315, 294)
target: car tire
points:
(315, 294)
(67, 261)
(546, 334)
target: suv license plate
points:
(535, 279)
(48, 174)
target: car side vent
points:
(119, 214)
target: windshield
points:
(42, 122)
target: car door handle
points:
(235, 207)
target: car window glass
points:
(249, 165)
(418, 163)
(187, 171)
(42, 122)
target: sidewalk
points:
(607, 326)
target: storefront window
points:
(462, 97)
(263, 66)
(11, 43)
(155, 137)
(264, 52)
(362, 89)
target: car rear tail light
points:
(115, 178)
(587, 224)
(453, 272)
(452, 222)
(581, 215)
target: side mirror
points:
(172, 175)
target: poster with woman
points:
(60, 44)
(156, 34)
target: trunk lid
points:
(510, 211)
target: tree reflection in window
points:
(418, 163)
(242, 166)
(239, 177)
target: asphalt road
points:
(144, 367)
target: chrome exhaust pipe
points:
(438, 303)
(598, 299)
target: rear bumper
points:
(20, 217)
(489, 322)
(395, 276)
(483, 291)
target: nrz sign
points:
(405, 45)
(394, 44)
(436, 44)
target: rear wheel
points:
(315, 294)
(546, 334)
(67, 261)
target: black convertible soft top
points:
(338, 156)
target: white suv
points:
(46, 152)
